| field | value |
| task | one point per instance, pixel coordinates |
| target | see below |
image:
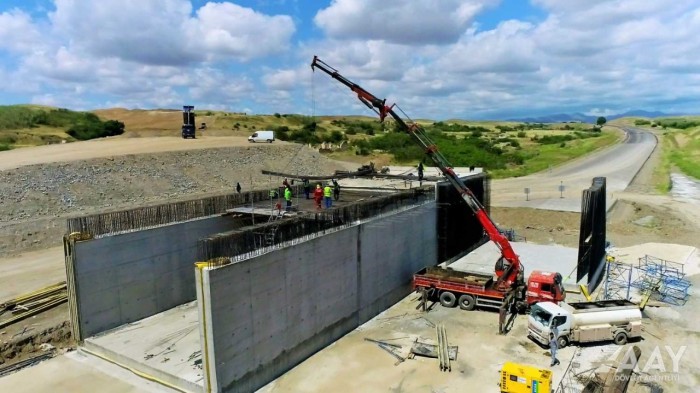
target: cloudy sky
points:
(469, 59)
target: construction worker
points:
(318, 196)
(420, 171)
(288, 198)
(553, 345)
(328, 196)
(307, 188)
(336, 190)
(238, 187)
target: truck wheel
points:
(620, 338)
(467, 302)
(269, 141)
(447, 299)
(562, 342)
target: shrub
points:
(336, 137)
(522, 134)
(7, 139)
(4, 147)
(96, 129)
(362, 147)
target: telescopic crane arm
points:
(509, 274)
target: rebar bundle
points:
(253, 239)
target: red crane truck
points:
(507, 291)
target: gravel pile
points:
(35, 200)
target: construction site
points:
(402, 281)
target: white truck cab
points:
(262, 136)
(616, 320)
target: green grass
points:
(26, 125)
(679, 140)
(685, 151)
(540, 158)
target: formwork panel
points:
(119, 273)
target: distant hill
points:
(580, 117)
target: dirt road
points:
(116, 146)
(31, 271)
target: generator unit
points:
(519, 378)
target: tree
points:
(601, 121)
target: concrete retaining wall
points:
(264, 315)
(123, 278)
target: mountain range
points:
(580, 117)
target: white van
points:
(262, 136)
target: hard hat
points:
(318, 186)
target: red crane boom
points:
(508, 268)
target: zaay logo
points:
(655, 363)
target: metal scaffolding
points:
(662, 280)
(618, 280)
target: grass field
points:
(679, 139)
(510, 148)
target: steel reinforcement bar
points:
(151, 216)
(249, 239)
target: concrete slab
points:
(76, 372)
(533, 257)
(166, 345)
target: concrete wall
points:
(123, 278)
(264, 315)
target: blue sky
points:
(468, 59)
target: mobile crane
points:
(509, 290)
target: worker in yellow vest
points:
(288, 198)
(328, 196)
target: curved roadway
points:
(619, 164)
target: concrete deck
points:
(166, 346)
(533, 257)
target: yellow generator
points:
(518, 378)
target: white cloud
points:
(215, 86)
(282, 79)
(17, 32)
(147, 32)
(226, 29)
(165, 33)
(399, 21)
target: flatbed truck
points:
(469, 290)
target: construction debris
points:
(430, 350)
(26, 363)
(33, 303)
(390, 349)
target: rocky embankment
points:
(35, 200)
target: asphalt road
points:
(618, 164)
